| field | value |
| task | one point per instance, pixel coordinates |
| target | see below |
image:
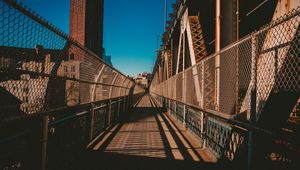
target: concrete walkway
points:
(146, 139)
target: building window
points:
(25, 99)
(72, 56)
(66, 68)
(73, 68)
(26, 90)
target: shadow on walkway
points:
(145, 139)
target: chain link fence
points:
(55, 95)
(44, 69)
(261, 69)
(274, 50)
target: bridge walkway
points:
(146, 138)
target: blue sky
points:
(131, 29)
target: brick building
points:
(86, 23)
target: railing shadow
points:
(144, 139)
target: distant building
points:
(143, 79)
(86, 23)
(28, 89)
(70, 69)
(31, 91)
(106, 58)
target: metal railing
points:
(55, 95)
(258, 71)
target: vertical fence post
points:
(237, 57)
(91, 122)
(128, 102)
(202, 119)
(184, 96)
(202, 130)
(252, 112)
(184, 115)
(237, 81)
(217, 50)
(118, 112)
(124, 103)
(45, 127)
(169, 107)
(175, 109)
(109, 111)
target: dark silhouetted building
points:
(86, 23)
(106, 58)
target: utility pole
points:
(237, 20)
(217, 51)
(165, 16)
(237, 56)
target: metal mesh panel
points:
(190, 93)
(170, 87)
(179, 112)
(228, 80)
(193, 121)
(45, 73)
(277, 62)
(264, 64)
(276, 70)
(174, 87)
(209, 96)
(123, 91)
(100, 120)
(218, 133)
(20, 31)
(129, 87)
(42, 68)
(116, 90)
(179, 87)
(165, 90)
(244, 74)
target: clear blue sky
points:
(131, 28)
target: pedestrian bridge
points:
(63, 107)
(146, 138)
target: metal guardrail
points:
(55, 95)
(258, 71)
(275, 48)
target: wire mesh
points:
(46, 75)
(276, 71)
(261, 68)
(43, 69)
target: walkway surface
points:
(146, 139)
